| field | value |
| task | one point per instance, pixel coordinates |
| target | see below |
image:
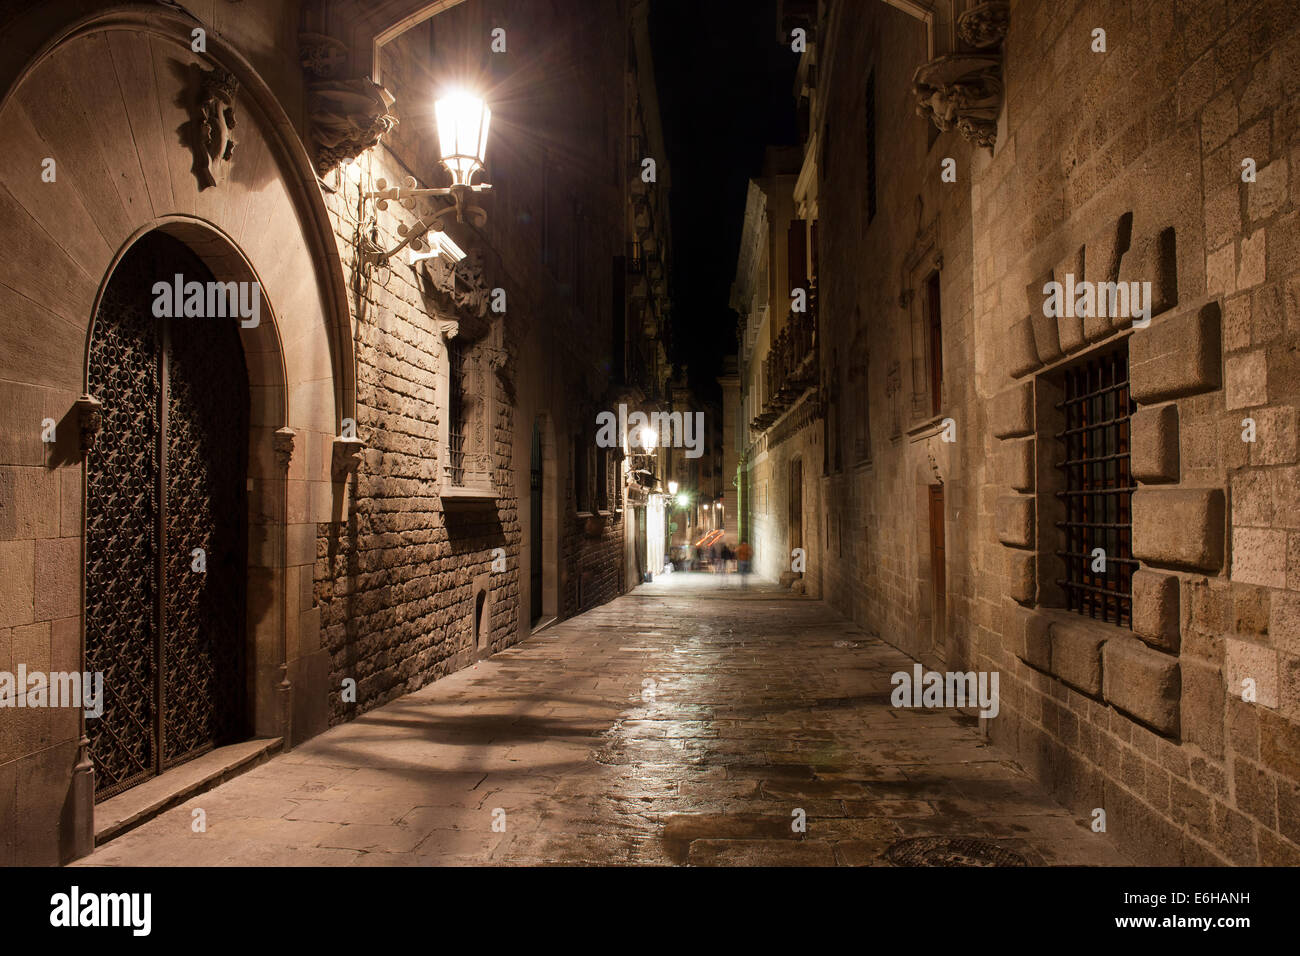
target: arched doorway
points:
(166, 523)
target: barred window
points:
(601, 462)
(1097, 496)
(456, 413)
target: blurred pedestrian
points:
(744, 555)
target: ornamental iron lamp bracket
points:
(463, 122)
(433, 221)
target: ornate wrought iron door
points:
(166, 477)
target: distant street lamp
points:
(463, 121)
(672, 487)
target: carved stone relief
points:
(283, 443)
(210, 128)
(322, 57)
(962, 91)
(985, 24)
(459, 288)
(347, 118)
(90, 419)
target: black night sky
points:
(725, 93)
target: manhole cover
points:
(951, 851)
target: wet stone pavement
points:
(684, 723)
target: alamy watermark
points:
(55, 689)
(959, 689)
(208, 300)
(74, 908)
(1129, 300)
(656, 430)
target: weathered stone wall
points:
(1187, 770)
(884, 447)
(1125, 164)
(398, 576)
(105, 104)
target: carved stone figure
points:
(985, 24)
(961, 91)
(460, 287)
(282, 441)
(321, 56)
(347, 118)
(213, 121)
(90, 419)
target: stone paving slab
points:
(687, 723)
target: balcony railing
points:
(790, 367)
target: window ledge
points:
(926, 427)
(460, 496)
(1070, 621)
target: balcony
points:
(791, 367)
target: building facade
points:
(385, 470)
(781, 403)
(1093, 498)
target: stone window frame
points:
(1178, 530)
(581, 463)
(833, 456)
(1052, 482)
(859, 378)
(925, 261)
(478, 405)
(602, 486)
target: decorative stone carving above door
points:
(210, 129)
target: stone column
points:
(283, 441)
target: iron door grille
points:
(166, 476)
(1098, 489)
(456, 412)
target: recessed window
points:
(861, 412)
(1096, 533)
(934, 325)
(456, 412)
(581, 474)
(602, 478)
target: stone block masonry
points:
(410, 584)
(1180, 715)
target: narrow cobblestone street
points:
(683, 723)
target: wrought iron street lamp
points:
(463, 122)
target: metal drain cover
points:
(951, 851)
